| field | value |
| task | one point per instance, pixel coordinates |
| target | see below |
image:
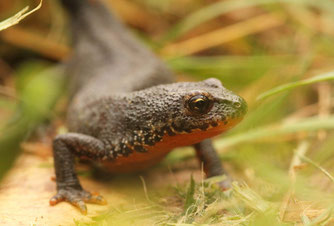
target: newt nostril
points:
(241, 105)
(237, 104)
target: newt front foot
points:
(78, 198)
(226, 184)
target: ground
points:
(27, 188)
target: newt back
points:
(107, 58)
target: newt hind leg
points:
(65, 148)
(208, 156)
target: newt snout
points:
(236, 104)
(235, 111)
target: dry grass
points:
(277, 54)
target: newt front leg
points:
(65, 148)
(208, 156)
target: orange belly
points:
(140, 161)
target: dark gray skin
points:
(124, 103)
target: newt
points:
(126, 112)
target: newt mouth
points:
(225, 125)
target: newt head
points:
(180, 114)
(206, 109)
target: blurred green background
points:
(284, 147)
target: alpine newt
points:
(126, 112)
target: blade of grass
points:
(319, 78)
(230, 69)
(18, 17)
(208, 13)
(222, 7)
(295, 162)
(306, 159)
(190, 200)
(309, 124)
(324, 218)
(223, 35)
(250, 198)
(28, 39)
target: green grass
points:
(280, 73)
(319, 78)
(38, 88)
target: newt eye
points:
(199, 104)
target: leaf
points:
(319, 78)
(18, 17)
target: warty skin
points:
(125, 112)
